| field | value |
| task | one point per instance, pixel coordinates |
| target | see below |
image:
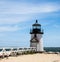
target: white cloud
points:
(8, 28)
(22, 12)
(14, 19)
(25, 11)
(28, 8)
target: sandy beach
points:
(33, 58)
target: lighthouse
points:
(36, 37)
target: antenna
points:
(36, 21)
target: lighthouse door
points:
(33, 44)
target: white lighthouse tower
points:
(36, 37)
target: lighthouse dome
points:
(36, 23)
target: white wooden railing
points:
(13, 52)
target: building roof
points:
(36, 23)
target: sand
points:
(33, 58)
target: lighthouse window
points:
(34, 27)
(38, 27)
(35, 35)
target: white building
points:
(36, 37)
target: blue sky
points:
(17, 17)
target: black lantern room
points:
(36, 28)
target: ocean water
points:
(53, 49)
(47, 49)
